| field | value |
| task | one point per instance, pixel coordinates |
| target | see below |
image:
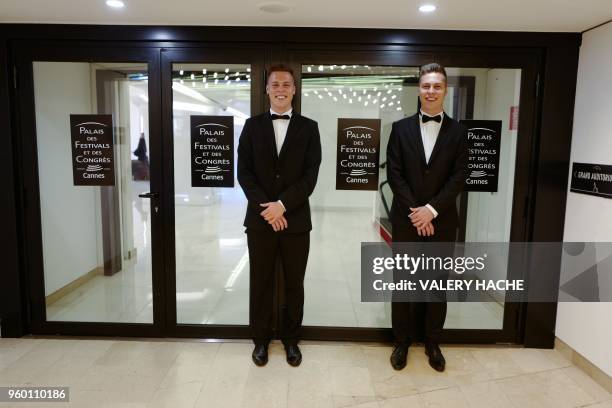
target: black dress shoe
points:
(294, 355)
(260, 354)
(399, 356)
(436, 359)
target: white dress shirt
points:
(280, 132)
(280, 128)
(429, 135)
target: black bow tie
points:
(437, 118)
(275, 116)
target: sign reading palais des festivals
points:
(358, 154)
(592, 179)
(212, 151)
(484, 140)
(93, 159)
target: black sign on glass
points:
(93, 158)
(484, 139)
(212, 151)
(358, 153)
(592, 179)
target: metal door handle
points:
(149, 195)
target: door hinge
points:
(15, 82)
(537, 86)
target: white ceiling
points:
(503, 15)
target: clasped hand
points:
(274, 215)
(421, 219)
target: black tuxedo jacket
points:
(414, 182)
(290, 176)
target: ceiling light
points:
(115, 3)
(427, 8)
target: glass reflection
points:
(344, 219)
(96, 240)
(212, 278)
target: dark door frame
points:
(201, 54)
(25, 54)
(525, 59)
(554, 89)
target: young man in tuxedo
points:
(279, 154)
(426, 170)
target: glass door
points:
(91, 150)
(384, 85)
(208, 95)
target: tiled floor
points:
(125, 373)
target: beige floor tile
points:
(498, 363)
(485, 395)
(412, 401)
(198, 353)
(178, 396)
(226, 387)
(121, 373)
(341, 401)
(345, 355)
(545, 389)
(351, 381)
(604, 404)
(185, 373)
(267, 387)
(596, 391)
(310, 387)
(67, 370)
(446, 398)
(387, 382)
(533, 360)
(424, 377)
(13, 349)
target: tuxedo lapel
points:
(441, 139)
(292, 130)
(417, 138)
(268, 131)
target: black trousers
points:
(419, 321)
(264, 248)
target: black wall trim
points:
(550, 189)
(12, 308)
(288, 35)
(545, 196)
